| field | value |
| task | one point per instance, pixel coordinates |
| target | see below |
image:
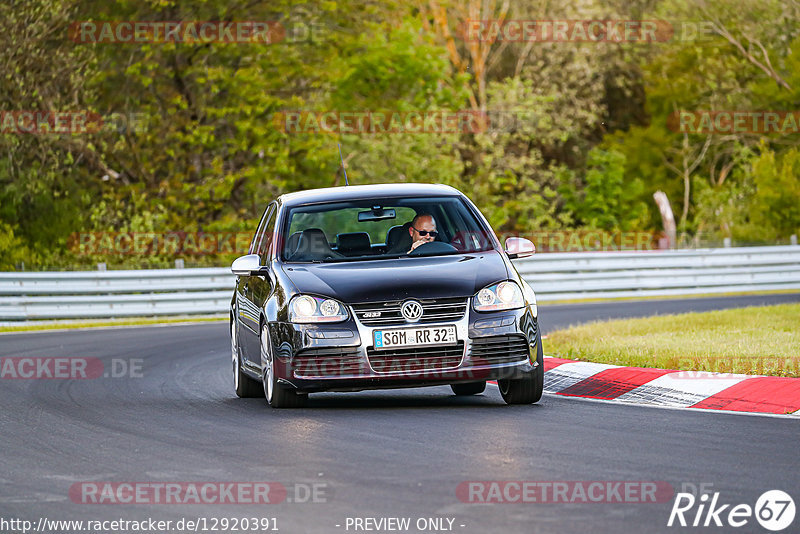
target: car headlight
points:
(308, 309)
(502, 296)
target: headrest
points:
(353, 242)
(393, 234)
(313, 241)
(397, 235)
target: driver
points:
(422, 230)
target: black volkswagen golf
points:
(382, 286)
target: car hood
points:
(457, 275)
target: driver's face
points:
(426, 224)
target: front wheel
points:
(277, 394)
(528, 389)
(244, 385)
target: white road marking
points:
(569, 374)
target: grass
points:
(756, 340)
(671, 297)
(132, 321)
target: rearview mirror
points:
(246, 265)
(519, 247)
(377, 214)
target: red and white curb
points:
(677, 389)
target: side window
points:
(254, 246)
(268, 234)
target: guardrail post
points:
(793, 239)
(101, 266)
(179, 264)
(726, 242)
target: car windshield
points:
(381, 228)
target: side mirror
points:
(246, 265)
(519, 247)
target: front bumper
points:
(341, 357)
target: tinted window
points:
(379, 228)
(268, 232)
(255, 246)
(345, 220)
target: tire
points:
(528, 389)
(244, 386)
(470, 388)
(277, 395)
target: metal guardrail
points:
(591, 275)
(554, 276)
(103, 294)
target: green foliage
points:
(44, 188)
(776, 203)
(582, 138)
(396, 69)
(13, 251)
(761, 205)
(606, 200)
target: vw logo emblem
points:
(411, 310)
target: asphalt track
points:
(399, 453)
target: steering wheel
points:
(433, 247)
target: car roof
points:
(360, 192)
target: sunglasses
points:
(424, 233)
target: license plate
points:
(415, 337)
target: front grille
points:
(416, 359)
(433, 311)
(498, 349)
(329, 362)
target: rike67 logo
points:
(774, 510)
